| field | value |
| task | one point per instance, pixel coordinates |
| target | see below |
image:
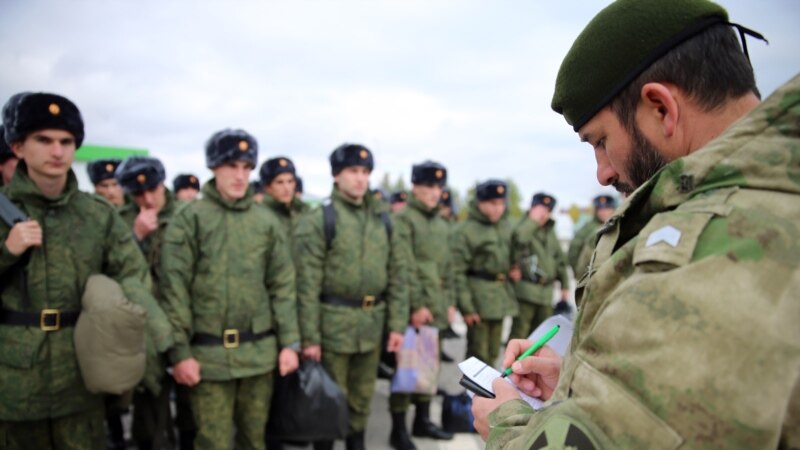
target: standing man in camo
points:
(582, 244)
(347, 286)
(101, 173)
(229, 286)
(186, 187)
(8, 160)
(279, 179)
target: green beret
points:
(621, 42)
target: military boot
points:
(355, 441)
(423, 427)
(323, 445)
(399, 438)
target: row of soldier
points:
(243, 290)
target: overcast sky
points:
(466, 83)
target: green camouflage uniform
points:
(151, 407)
(480, 246)
(289, 216)
(688, 333)
(226, 266)
(420, 242)
(582, 246)
(537, 252)
(43, 389)
(356, 266)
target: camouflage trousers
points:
(222, 407)
(80, 431)
(355, 373)
(483, 340)
(529, 317)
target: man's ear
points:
(16, 147)
(659, 108)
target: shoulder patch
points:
(560, 433)
(670, 238)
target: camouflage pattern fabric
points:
(79, 431)
(687, 336)
(535, 248)
(581, 247)
(529, 317)
(224, 408)
(226, 265)
(289, 216)
(355, 373)
(84, 235)
(483, 340)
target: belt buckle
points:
(501, 277)
(368, 302)
(43, 316)
(230, 338)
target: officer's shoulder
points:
(94, 202)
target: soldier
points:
(186, 187)
(398, 201)
(8, 160)
(537, 253)
(298, 188)
(279, 181)
(258, 191)
(582, 245)
(152, 207)
(482, 267)
(346, 287)
(101, 173)
(687, 335)
(229, 289)
(420, 240)
(44, 403)
(446, 207)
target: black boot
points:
(355, 441)
(186, 439)
(423, 427)
(323, 445)
(399, 438)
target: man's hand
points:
(313, 352)
(421, 317)
(287, 361)
(472, 319)
(187, 372)
(515, 274)
(482, 407)
(536, 375)
(564, 295)
(146, 222)
(24, 235)
(395, 342)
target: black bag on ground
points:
(457, 413)
(307, 405)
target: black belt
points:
(365, 303)
(46, 319)
(231, 338)
(488, 276)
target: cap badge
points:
(602, 200)
(141, 178)
(109, 167)
(363, 154)
(501, 190)
(243, 145)
(54, 109)
(283, 163)
(546, 200)
(439, 173)
(192, 179)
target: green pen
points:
(536, 346)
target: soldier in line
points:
(446, 207)
(537, 253)
(258, 191)
(687, 336)
(8, 160)
(148, 214)
(186, 187)
(44, 403)
(398, 201)
(420, 241)
(298, 188)
(347, 286)
(582, 245)
(278, 177)
(229, 286)
(482, 267)
(101, 174)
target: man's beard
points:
(643, 162)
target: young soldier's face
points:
(232, 179)
(187, 194)
(540, 214)
(48, 153)
(111, 191)
(493, 209)
(428, 194)
(603, 214)
(282, 188)
(353, 182)
(151, 198)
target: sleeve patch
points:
(670, 238)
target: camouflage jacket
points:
(151, 248)
(289, 216)
(537, 252)
(481, 246)
(358, 264)
(582, 246)
(226, 265)
(421, 242)
(83, 235)
(688, 334)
